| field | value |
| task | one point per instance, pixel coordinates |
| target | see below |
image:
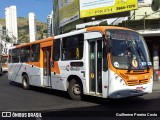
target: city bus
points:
(4, 63)
(103, 61)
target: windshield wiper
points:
(130, 64)
(140, 51)
(130, 58)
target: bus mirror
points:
(109, 45)
(108, 35)
(105, 62)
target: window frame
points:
(35, 52)
(25, 55)
(54, 48)
(80, 38)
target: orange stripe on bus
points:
(104, 28)
(55, 68)
(46, 44)
(35, 42)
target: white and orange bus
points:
(102, 61)
(4, 63)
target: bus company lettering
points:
(64, 68)
(75, 69)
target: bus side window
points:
(25, 54)
(35, 52)
(15, 55)
(72, 47)
(56, 50)
(10, 56)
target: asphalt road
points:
(14, 98)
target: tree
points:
(8, 39)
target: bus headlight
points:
(116, 77)
(119, 79)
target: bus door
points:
(46, 67)
(95, 66)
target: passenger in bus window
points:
(128, 54)
(32, 58)
(69, 55)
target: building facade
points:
(56, 17)
(4, 44)
(50, 30)
(11, 23)
(32, 27)
(1, 33)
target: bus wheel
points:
(25, 82)
(75, 90)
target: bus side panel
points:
(34, 75)
(105, 84)
(14, 72)
(59, 82)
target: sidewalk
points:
(156, 85)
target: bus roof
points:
(35, 42)
(89, 29)
(94, 28)
(104, 28)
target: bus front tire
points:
(25, 82)
(75, 90)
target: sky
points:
(41, 8)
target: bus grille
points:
(136, 82)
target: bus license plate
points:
(139, 88)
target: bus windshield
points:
(128, 50)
